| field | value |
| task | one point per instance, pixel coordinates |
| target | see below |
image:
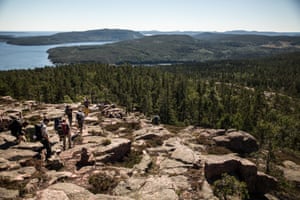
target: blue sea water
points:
(29, 57)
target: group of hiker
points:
(61, 126)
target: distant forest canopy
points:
(260, 96)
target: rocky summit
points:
(129, 158)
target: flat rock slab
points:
(158, 187)
(185, 155)
(65, 191)
(18, 175)
(17, 154)
(8, 194)
(33, 146)
(291, 171)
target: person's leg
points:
(48, 148)
(69, 140)
(80, 127)
(70, 120)
(64, 142)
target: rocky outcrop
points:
(257, 182)
(143, 161)
(237, 141)
(185, 155)
(291, 171)
(113, 152)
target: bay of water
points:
(29, 57)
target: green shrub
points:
(106, 142)
(131, 159)
(228, 187)
(102, 183)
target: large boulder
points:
(257, 182)
(115, 151)
(185, 155)
(237, 141)
(150, 133)
(262, 183)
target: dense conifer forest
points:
(259, 96)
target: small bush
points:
(228, 187)
(106, 142)
(154, 142)
(133, 158)
(102, 183)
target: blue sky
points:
(164, 15)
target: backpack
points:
(56, 123)
(80, 117)
(68, 111)
(65, 128)
(15, 127)
(38, 132)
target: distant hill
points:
(71, 37)
(269, 33)
(177, 49)
(150, 33)
(234, 32)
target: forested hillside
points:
(79, 36)
(178, 49)
(258, 96)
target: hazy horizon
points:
(139, 15)
(53, 31)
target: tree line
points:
(258, 96)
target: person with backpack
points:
(80, 120)
(45, 138)
(68, 112)
(66, 133)
(58, 128)
(86, 104)
(16, 128)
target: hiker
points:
(86, 104)
(66, 133)
(86, 159)
(16, 128)
(58, 128)
(156, 120)
(45, 138)
(80, 120)
(68, 112)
